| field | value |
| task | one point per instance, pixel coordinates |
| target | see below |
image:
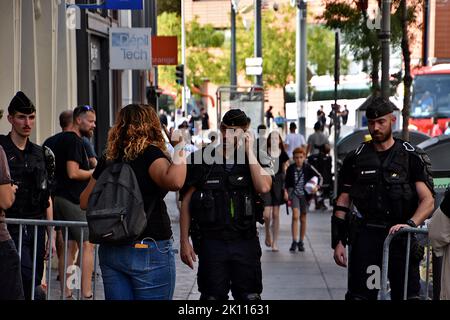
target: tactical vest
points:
(29, 172)
(225, 204)
(383, 192)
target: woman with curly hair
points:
(145, 271)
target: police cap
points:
(235, 117)
(21, 103)
(378, 108)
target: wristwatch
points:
(411, 223)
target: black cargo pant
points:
(27, 256)
(226, 265)
(10, 277)
(367, 251)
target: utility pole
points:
(385, 37)
(233, 77)
(300, 61)
(334, 111)
(153, 24)
(183, 56)
(258, 42)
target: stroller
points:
(322, 162)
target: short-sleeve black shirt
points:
(158, 226)
(280, 161)
(70, 147)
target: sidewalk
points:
(309, 275)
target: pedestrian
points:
(435, 130)
(30, 170)
(269, 116)
(317, 142)
(72, 175)
(275, 197)
(344, 115)
(219, 210)
(321, 118)
(294, 140)
(447, 130)
(298, 175)
(144, 269)
(318, 155)
(66, 122)
(439, 234)
(335, 119)
(163, 117)
(11, 287)
(390, 185)
(205, 119)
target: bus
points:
(430, 97)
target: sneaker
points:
(293, 246)
(301, 248)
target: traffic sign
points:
(253, 70)
(253, 62)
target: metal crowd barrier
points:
(65, 225)
(385, 263)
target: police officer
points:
(220, 207)
(389, 184)
(30, 167)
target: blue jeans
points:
(131, 273)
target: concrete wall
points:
(38, 56)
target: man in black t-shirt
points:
(65, 121)
(72, 175)
(389, 184)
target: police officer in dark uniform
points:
(385, 185)
(31, 168)
(220, 207)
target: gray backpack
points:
(115, 212)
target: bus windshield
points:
(431, 96)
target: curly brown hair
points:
(136, 127)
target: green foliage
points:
(320, 44)
(202, 60)
(204, 36)
(362, 41)
(278, 46)
(169, 6)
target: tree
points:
(278, 38)
(321, 50)
(406, 15)
(169, 6)
(351, 19)
(204, 52)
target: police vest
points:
(383, 192)
(29, 172)
(225, 204)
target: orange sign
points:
(164, 50)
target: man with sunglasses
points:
(385, 185)
(30, 167)
(220, 208)
(72, 176)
